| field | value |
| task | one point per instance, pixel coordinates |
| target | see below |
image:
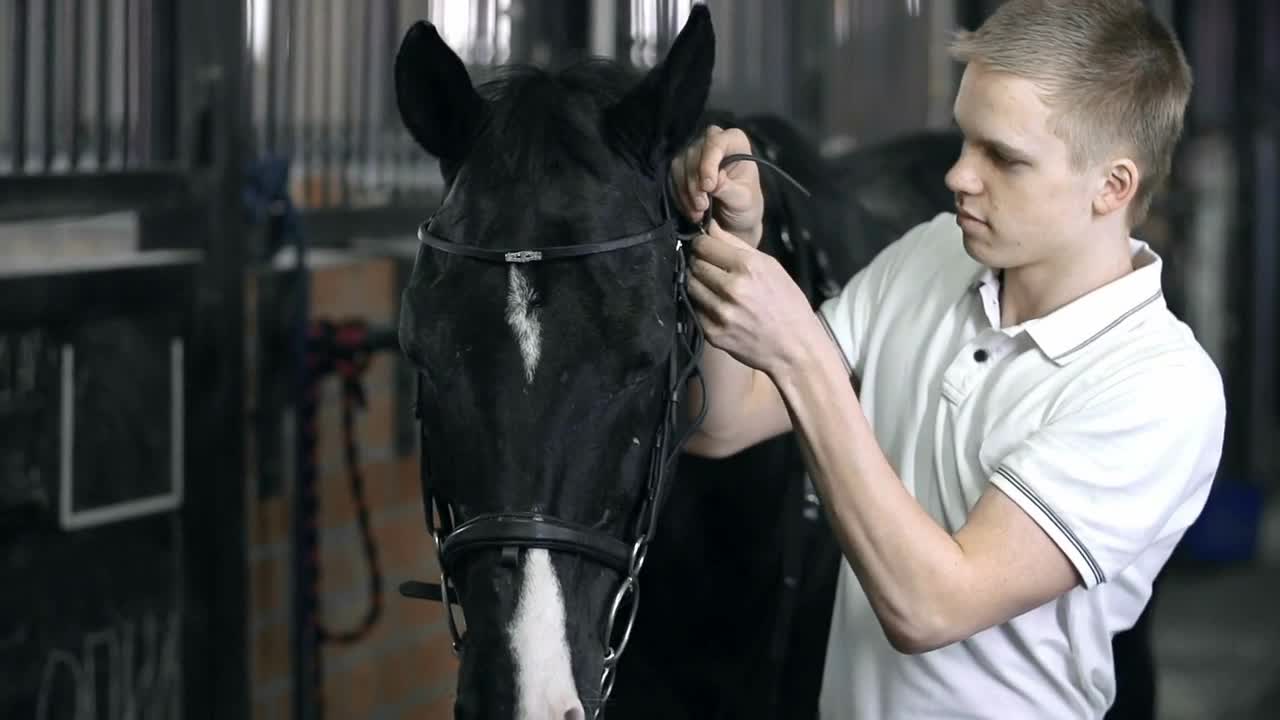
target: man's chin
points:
(974, 246)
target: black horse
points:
(546, 388)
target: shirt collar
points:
(1063, 333)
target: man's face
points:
(1018, 200)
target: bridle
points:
(512, 532)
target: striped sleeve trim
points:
(848, 369)
(1062, 528)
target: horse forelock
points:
(545, 123)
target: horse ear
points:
(438, 103)
(662, 112)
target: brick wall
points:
(403, 668)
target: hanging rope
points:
(345, 349)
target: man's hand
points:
(697, 176)
(747, 303)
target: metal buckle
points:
(639, 551)
(523, 256)
(445, 586)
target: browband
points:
(555, 252)
(560, 252)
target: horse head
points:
(545, 319)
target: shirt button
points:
(980, 355)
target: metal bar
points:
(387, 140)
(305, 666)
(397, 140)
(1265, 260)
(162, 104)
(269, 113)
(603, 16)
(103, 77)
(145, 135)
(312, 68)
(367, 108)
(126, 126)
(307, 673)
(18, 116)
(303, 78)
(1258, 189)
(50, 82)
(144, 61)
(211, 39)
(338, 48)
(249, 69)
(288, 142)
(326, 118)
(1232, 44)
(351, 73)
(366, 125)
(73, 117)
(377, 95)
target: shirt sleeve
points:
(848, 315)
(1133, 465)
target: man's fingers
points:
(734, 195)
(679, 185)
(721, 143)
(692, 184)
(713, 151)
(727, 239)
(707, 304)
(713, 277)
(720, 252)
(697, 175)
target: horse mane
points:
(545, 119)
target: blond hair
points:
(1114, 77)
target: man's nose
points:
(961, 180)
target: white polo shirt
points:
(1102, 420)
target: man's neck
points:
(1032, 291)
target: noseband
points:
(516, 531)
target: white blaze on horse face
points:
(544, 675)
(523, 319)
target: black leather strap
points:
(425, 591)
(730, 159)
(554, 252)
(531, 530)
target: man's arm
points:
(927, 587)
(743, 408)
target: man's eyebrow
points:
(1003, 148)
(1007, 151)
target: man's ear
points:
(1119, 185)
(438, 103)
(662, 112)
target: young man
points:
(1034, 431)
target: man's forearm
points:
(908, 565)
(729, 382)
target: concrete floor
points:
(1217, 638)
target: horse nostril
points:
(575, 713)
